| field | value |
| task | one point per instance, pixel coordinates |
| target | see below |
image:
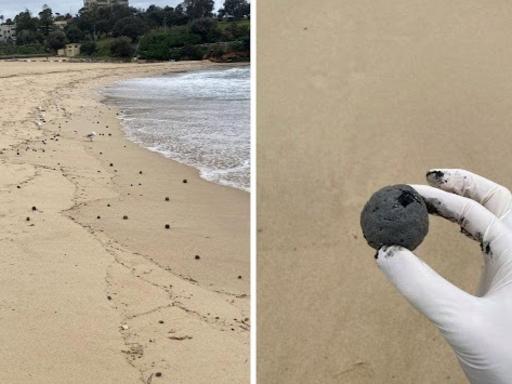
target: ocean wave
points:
(201, 119)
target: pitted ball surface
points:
(395, 215)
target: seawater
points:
(200, 118)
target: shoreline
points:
(129, 297)
(182, 171)
(104, 100)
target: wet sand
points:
(352, 97)
(86, 295)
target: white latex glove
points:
(478, 327)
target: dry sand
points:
(352, 96)
(85, 296)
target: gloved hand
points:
(478, 327)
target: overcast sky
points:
(10, 8)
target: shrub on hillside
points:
(157, 45)
(30, 49)
(246, 43)
(7, 49)
(122, 47)
(236, 31)
(188, 52)
(193, 52)
(88, 48)
(217, 51)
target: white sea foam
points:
(201, 119)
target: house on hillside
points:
(7, 32)
(70, 50)
(104, 3)
(61, 24)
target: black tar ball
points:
(395, 215)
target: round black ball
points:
(395, 215)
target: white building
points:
(71, 50)
(104, 3)
(61, 24)
(7, 32)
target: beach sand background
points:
(86, 296)
(352, 96)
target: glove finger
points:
(480, 224)
(496, 198)
(435, 297)
(475, 220)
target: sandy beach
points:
(359, 95)
(94, 288)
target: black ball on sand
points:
(395, 215)
(185, 181)
(125, 217)
(167, 226)
(167, 199)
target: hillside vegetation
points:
(190, 31)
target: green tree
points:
(122, 47)
(206, 28)
(165, 17)
(56, 40)
(86, 22)
(155, 15)
(27, 29)
(178, 17)
(196, 9)
(236, 8)
(46, 20)
(131, 26)
(119, 11)
(74, 33)
(25, 21)
(26, 36)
